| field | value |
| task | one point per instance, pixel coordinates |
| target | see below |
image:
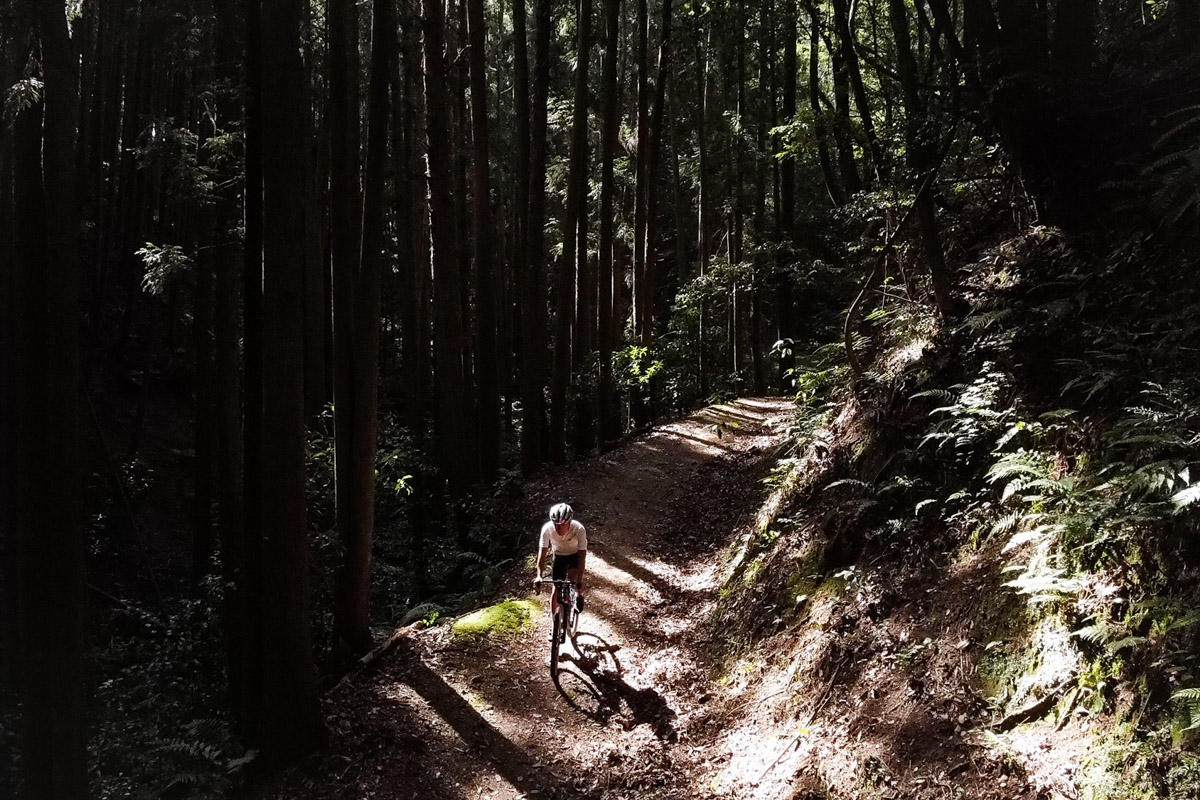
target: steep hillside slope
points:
(979, 573)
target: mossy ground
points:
(507, 617)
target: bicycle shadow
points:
(595, 686)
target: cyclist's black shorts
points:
(560, 565)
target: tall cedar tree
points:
(487, 283)
(355, 337)
(42, 515)
(609, 411)
(450, 384)
(575, 217)
(535, 368)
(291, 718)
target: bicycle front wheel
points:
(556, 632)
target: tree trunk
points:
(610, 122)
(352, 593)
(251, 585)
(292, 722)
(43, 494)
(832, 185)
(565, 290)
(412, 233)
(487, 291)
(204, 427)
(844, 25)
(921, 157)
(533, 305)
(530, 392)
(449, 376)
(351, 413)
(585, 316)
(703, 128)
(842, 131)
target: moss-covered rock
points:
(508, 617)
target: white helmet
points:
(561, 513)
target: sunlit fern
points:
(1189, 703)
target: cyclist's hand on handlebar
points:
(537, 584)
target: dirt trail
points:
(446, 717)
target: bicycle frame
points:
(563, 621)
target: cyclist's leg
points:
(559, 569)
(573, 574)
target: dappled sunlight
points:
(899, 359)
(630, 682)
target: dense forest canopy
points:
(326, 278)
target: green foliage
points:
(975, 413)
(172, 157)
(1174, 173)
(153, 738)
(163, 264)
(1189, 705)
(21, 95)
(635, 367)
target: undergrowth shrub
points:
(156, 739)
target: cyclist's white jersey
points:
(573, 542)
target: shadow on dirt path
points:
(488, 719)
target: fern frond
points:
(1121, 644)
(1098, 634)
(1031, 535)
(1007, 523)
(1187, 497)
(848, 482)
(940, 394)
(194, 749)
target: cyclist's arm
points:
(541, 561)
(582, 561)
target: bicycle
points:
(564, 621)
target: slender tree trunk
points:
(411, 232)
(487, 293)
(251, 588)
(844, 25)
(610, 121)
(785, 293)
(316, 267)
(292, 722)
(565, 290)
(458, 80)
(353, 413)
(832, 185)
(842, 131)
(638, 408)
(204, 427)
(528, 269)
(921, 157)
(703, 129)
(585, 283)
(449, 376)
(657, 126)
(533, 306)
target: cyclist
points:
(566, 538)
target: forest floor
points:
(646, 708)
